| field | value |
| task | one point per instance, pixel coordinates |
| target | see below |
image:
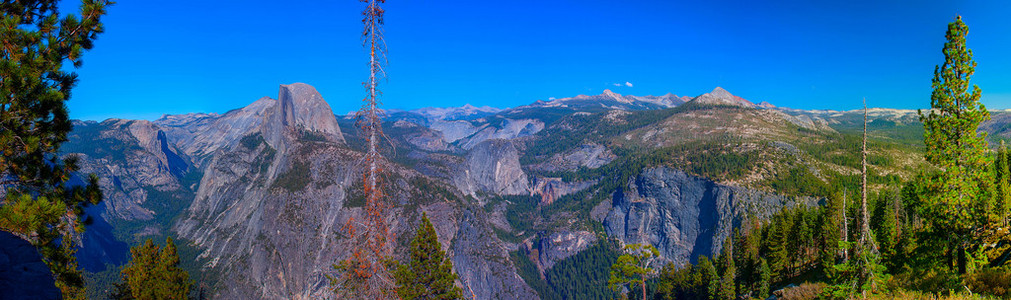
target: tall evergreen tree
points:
(429, 273)
(829, 233)
(728, 272)
(885, 229)
(34, 87)
(775, 241)
(961, 203)
(764, 279)
(153, 273)
(709, 279)
(633, 267)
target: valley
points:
(258, 195)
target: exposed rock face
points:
(453, 131)
(719, 96)
(199, 135)
(279, 183)
(806, 121)
(484, 265)
(492, 167)
(561, 245)
(685, 216)
(299, 107)
(275, 237)
(509, 129)
(550, 189)
(422, 137)
(591, 155)
(23, 274)
(131, 159)
(273, 219)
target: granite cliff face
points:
(274, 220)
(132, 160)
(200, 135)
(492, 167)
(483, 263)
(560, 245)
(551, 188)
(299, 107)
(271, 205)
(685, 216)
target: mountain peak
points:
(719, 91)
(616, 96)
(299, 105)
(720, 96)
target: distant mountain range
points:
(258, 194)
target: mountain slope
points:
(260, 194)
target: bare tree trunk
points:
(865, 227)
(365, 273)
(643, 286)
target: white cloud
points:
(551, 98)
(628, 84)
(616, 84)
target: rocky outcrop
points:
(483, 263)
(590, 155)
(453, 131)
(561, 245)
(299, 107)
(492, 167)
(132, 159)
(273, 219)
(685, 216)
(550, 189)
(23, 274)
(508, 129)
(420, 136)
(199, 135)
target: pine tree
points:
(885, 230)
(633, 267)
(728, 271)
(153, 273)
(429, 273)
(764, 279)
(34, 86)
(961, 204)
(829, 234)
(775, 245)
(708, 279)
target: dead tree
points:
(365, 274)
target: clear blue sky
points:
(178, 56)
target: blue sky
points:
(179, 56)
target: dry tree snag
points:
(365, 274)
